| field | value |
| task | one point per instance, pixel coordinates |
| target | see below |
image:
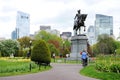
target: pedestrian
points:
(53, 55)
(84, 57)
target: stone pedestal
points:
(78, 44)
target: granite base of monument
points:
(78, 44)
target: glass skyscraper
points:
(103, 25)
(91, 35)
(22, 24)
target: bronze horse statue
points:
(80, 23)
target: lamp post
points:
(30, 54)
(30, 48)
(63, 49)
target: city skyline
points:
(57, 14)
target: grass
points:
(63, 60)
(18, 66)
(24, 72)
(90, 71)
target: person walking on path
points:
(84, 57)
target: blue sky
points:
(59, 14)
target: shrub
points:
(40, 52)
(0, 54)
(115, 68)
(108, 64)
(118, 51)
(20, 53)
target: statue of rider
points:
(77, 18)
(79, 22)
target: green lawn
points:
(92, 72)
(63, 60)
(18, 66)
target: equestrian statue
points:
(79, 21)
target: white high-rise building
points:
(22, 24)
(103, 25)
(91, 35)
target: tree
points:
(66, 51)
(117, 44)
(8, 47)
(50, 39)
(40, 52)
(89, 50)
(95, 49)
(55, 43)
(53, 49)
(24, 42)
(67, 44)
(24, 46)
(106, 44)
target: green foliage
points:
(24, 46)
(118, 51)
(95, 49)
(15, 66)
(47, 36)
(108, 64)
(117, 44)
(66, 47)
(24, 42)
(7, 67)
(53, 49)
(0, 54)
(115, 68)
(40, 52)
(67, 44)
(20, 53)
(8, 47)
(50, 39)
(66, 51)
(105, 45)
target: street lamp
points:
(30, 46)
(30, 66)
(63, 48)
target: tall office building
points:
(103, 25)
(91, 35)
(66, 35)
(45, 28)
(22, 24)
(14, 34)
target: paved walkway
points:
(58, 72)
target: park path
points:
(58, 72)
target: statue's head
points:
(79, 11)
